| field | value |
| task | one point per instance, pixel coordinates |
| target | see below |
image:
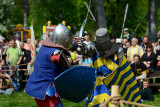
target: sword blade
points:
(90, 11)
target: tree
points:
(25, 12)
(6, 14)
(152, 20)
(73, 12)
(18, 12)
(100, 13)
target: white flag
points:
(33, 51)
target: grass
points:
(156, 101)
(17, 100)
(23, 100)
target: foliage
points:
(74, 13)
(116, 11)
(5, 15)
(136, 12)
(18, 12)
(158, 22)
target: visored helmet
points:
(104, 46)
(61, 35)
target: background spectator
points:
(27, 55)
(158, 44)
(6, 46)
(4, 66)
(145, 42)
(146, 92)
(14, 54)
(158, 33)
(70, 60)
(37, 45)
(158, 59)
(27, 45)
(85, 61)
(75, 57)
(14, 79)
(21, 46)
(154, 47)
(5, 87)
(113, 40)
(47, 34)
(139, 69)
(134, 50)
(6, 43)
(126, 34)
(14, 57)
(128, 44)
(41, 43)
(119, 42)
(125, 40)
(149, 58)
(2, 51)
(26, 59)
(2, 43)
(87, 38)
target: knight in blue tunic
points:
(50, 62)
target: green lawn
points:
(23, 100)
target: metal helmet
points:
(104, 46)
(61, 35)
(102, 35)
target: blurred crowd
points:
(136, 50)
(14, 57)
(143, 56)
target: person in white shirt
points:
(87, 38)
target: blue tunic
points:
(43, 75)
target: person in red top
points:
(28, 43)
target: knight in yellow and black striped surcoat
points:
(112, 69)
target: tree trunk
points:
(152, 20)
(100, 13)
(111, 11)
(25, 12)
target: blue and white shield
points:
(75, 83)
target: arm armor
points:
(120, 54)
(87, 50)
(63, 61)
